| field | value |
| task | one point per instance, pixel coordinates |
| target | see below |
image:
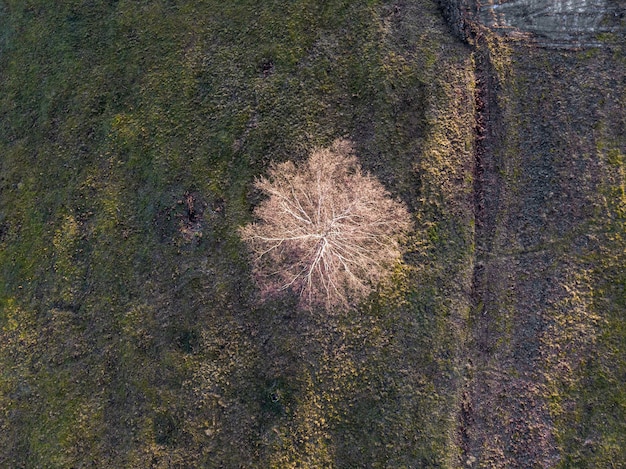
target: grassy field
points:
(131, 133)
(131, 333)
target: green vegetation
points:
(131, 133)
(130, 136)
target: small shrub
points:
(326, 230)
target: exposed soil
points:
(535, 193)
(503, 420)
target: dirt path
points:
(504, 421)
(544, 120)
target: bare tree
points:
(326, 230)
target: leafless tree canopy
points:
(326, 230)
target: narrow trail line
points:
(484, 196)
(502, 418)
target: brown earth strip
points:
(545, 121)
